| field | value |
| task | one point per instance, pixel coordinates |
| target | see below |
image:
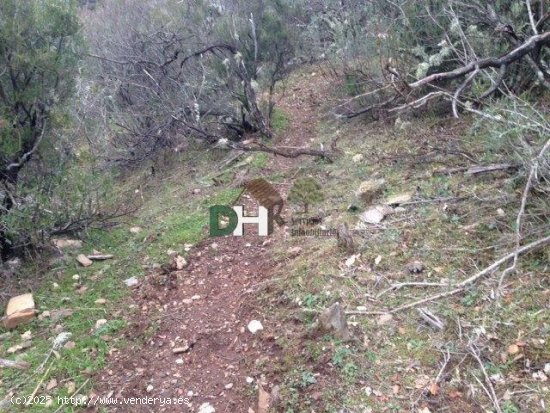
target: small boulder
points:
(370, 190)
(358, 158)
(372, 216)
(254, 326)
(333, 319)
(131, 282)
(66, 243)
(180, 262)
(399, 199)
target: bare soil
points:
(208, 305)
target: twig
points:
(431, 318)
(398, 286)
(21, 365)
(492, 394)
(31, 397)
(472, 170)
(461, 88)
(446, 359)
(521, 212)
(72, 395)
(357, 312)
(435, 200)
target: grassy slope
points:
(170, 216)
(394, 366)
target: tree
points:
(38, 65)
(305, 191)
(171, 70)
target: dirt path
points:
(204, 309)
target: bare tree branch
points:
(462, 285)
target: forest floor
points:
(183, 330)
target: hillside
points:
(270, 206)
(183, 332)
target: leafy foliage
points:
(305, 191)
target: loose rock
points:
(83, 260)
(415, 267)
(131, 282)
(66, 243)
(20, 309)
(206, 408)
(100, 323)
(399, 199)
(372, 216)
(180, 262)
(254, 326)
(358, 158)
(369, 190)
(333, 319)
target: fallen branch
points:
(21, 365)
(523, 49)
(434, 200)
(532, 174)
(400, 101)
(431, 319)
(31, 397)
(491, 390)
(100, 257)
(472, 170)
(461, 286)
(287, 152)
(72, 395)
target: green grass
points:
(169, 219)
(279, 121)
(259, 160)
(434, 233)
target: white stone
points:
(254, 326)
(206, 408)
(100, 323)
(358, 158)
(372, 216)
(131, 282)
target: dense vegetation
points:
(83, 97)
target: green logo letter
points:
(216, 212)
